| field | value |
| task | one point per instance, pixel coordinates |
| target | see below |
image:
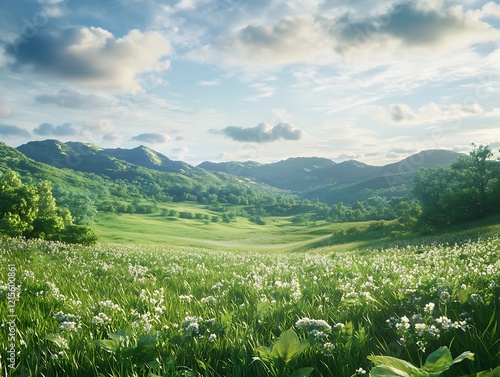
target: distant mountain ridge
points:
(92, 158)
(307, 177)
(305, 173)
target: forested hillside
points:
(422, 192)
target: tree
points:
(477, 169)
(79, 203)
(48, 222)
(465, 191)
(31, 211)
(18, 205)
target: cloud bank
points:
(92, 56)
(47, 129)
(72, 99)
(152, 138)
(326, 37)
(404, 114)
(7, 130)
(263, 133)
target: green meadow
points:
(164, 296)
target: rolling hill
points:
(309, 174)
(307, 177)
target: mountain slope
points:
(150, 159)
(129, 164)
(140, 171)
(304, 174)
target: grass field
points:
(278, 233)
(152, 308)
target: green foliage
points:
(281, 353)
(466, 191)
(129, 356)
(489, 373)
(212, 309)
(31, 211)
(436, 363)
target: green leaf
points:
(288, 346)
(387, 371)
(264, 353)
(465, 355)
(395, 364)
(109, 345)
(122, 336)
(489, 373)
(144, 351)
(201, 365)
(348, 329)
(438, 361)
(261, 309)
(463, 296)
(302, 372)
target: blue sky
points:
(256, 80)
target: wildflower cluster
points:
(197, 327)
(104, 312)
(423, 328)
(67, 322)
(318, 333)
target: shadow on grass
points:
(385, 234)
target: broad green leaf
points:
(489, 373)
(397, 364)
(264, 353)
(387, 371)
(463, 356)
(144, 351)
(438, 361)
(302, 372)
(121, 336)
(109, 345)
(146, 342)
(288, 346)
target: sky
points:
(259, 80)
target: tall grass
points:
(178, 311)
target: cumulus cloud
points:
(321, 38)
(403, 114)
(7, 130)
(72, 99)
(401, 150)
(152, 138)
(92, 56)
(47, 129)
(263, 133)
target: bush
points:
(79, 234)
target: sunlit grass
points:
(206, 312)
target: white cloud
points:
(208, 83)
(93, 56)
(431, 113)
(263, 90)
(318, 39)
